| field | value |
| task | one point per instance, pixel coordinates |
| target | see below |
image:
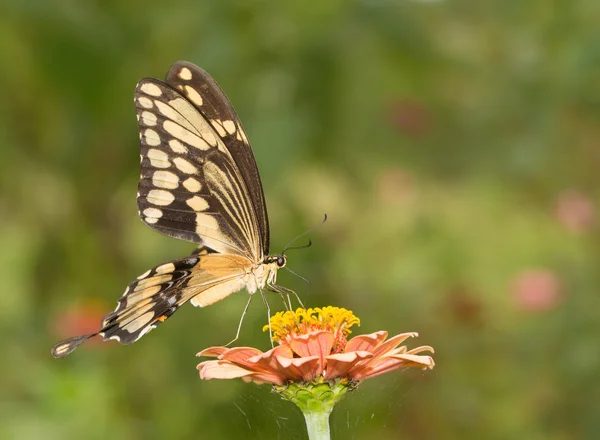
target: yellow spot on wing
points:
(151, 89)
(185, 74)
(184, 166)
(165, 179)
(160, 197)
(204, 222)
(153, 213)
(192, 185)
(193, 95)
(229, 126)
(165, 268)
(177, 146)
(149, 118)
(197, 203)
(158, 158)
(218, 127)
(145, 102)
(152, 137)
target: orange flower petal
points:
(392, 343)
(338, 364)
(213, 351)
(366, 342)
(387, 364)
(317, 343)
(267, 362)
(305, 368)
(415, 360)
(221, 370)
(420, 349)
(240, 355)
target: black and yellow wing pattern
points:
(199, 182)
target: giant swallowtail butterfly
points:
(199, 182)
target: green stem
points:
(317, 424)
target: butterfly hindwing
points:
(147, 301)
(204, 277)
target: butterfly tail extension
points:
(67, 347)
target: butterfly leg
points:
(284, 290)
(286, 299)
(262, 295)
(241, 321)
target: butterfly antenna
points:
(298, 275)
(287, 246)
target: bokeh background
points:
(455, 146)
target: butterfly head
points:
(279, 260)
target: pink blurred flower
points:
(537, 290)
(411, 116)
(575, 211)
(79, 319)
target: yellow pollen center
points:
(286, 325)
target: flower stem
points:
(317, 424)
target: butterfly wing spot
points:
(193, 95)
(185, 74)
(192, 185)
(152, 138)
(149, 118)
(151, 89)
(160, 197)
(158, 158)
(165, 179)
(229, 126)
(177, 146)
(197, 203)
(218, 127)
(145, 102)
(165, 268)
(184, 166)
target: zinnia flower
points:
(315, 363)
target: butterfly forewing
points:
(190, 187)
(207, 97)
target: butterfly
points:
(199, 182)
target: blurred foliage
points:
(453, 144)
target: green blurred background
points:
(453, 144)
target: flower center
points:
(286, 325)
